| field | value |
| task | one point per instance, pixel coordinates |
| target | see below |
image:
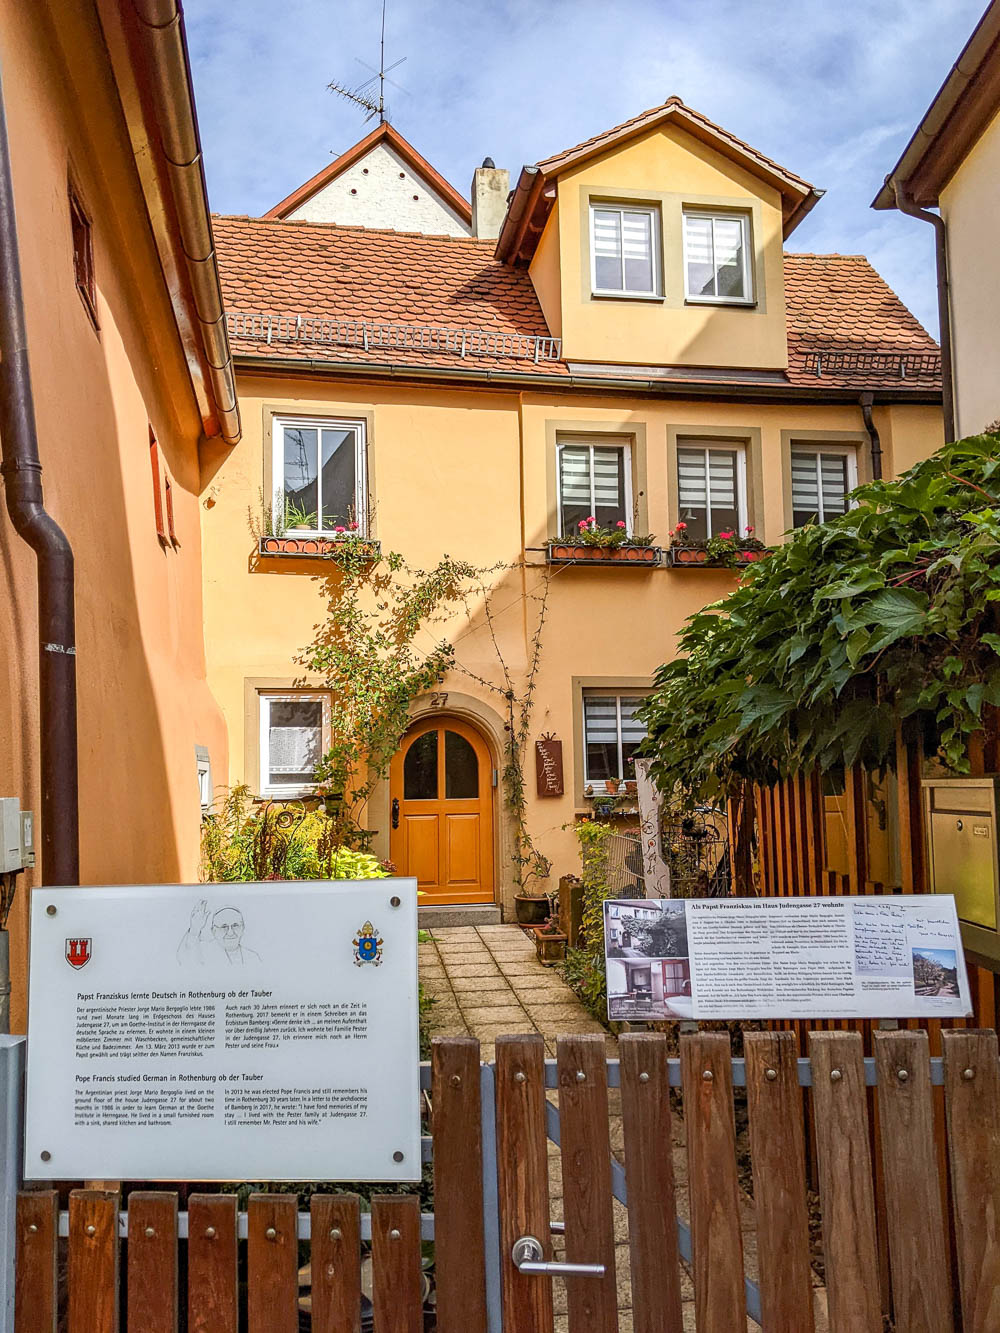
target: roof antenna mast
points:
(364, 94)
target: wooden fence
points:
(121, 1270)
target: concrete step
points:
(459, 914)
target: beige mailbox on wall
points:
(960, 818)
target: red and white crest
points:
(78, 952)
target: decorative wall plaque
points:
(548, 766)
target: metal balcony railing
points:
(901, 365)
(262, 326)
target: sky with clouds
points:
(831, 89)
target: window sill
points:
(720, 300)
(628, 296)
(572, 553)
(317, 548)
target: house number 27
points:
(439, 700)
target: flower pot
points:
(550, 948)
(530, 911)
(611, 786)
(578, 553)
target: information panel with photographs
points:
(886, 957)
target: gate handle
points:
(527, 1258)
(395, 812)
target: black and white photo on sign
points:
(645, 928)
(648, 969)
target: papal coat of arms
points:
(367, 946)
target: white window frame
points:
(848, 451)
(203, 765)
(598, 442)
(618, 696)
(358, 425)
(720, 215)
(718, 446)
(264, 700)
(656, 293)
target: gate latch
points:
(527, 1257)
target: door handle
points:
(527, 1258)
(395, 812)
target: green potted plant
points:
(531, 909)
(592, 543)
(726, 550)
(298, 518)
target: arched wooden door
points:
(441, 802)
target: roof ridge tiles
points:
(305, 224)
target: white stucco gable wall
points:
(381, 190)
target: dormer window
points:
(624, 250)
(717, 257)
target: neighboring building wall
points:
(970, 205)
(381, 190)
(143, 699)
(445, 476)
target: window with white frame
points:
(595, 481)
(611, 734)
(319, 475)
(711, 489)
(625, 250)
(294, 733)
(717, 257)
(823, 476)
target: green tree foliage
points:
(584, 966)
(883, 616)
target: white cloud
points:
(831, 91)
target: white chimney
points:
(490, 187)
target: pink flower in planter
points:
(725, 535)
(681, 527)
(353, 527)
(749, 528)
(340, 528)
(620, 524)
(583, 523)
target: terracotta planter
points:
(550, 948)
(314, 546)
(530, 911)
(611, 786)
(576, 553)
(696, 557)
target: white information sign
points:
(731, 958)
(224, 1032)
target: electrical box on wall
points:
(960, 820)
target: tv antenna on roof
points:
(364, 94)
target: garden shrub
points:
(584, 969)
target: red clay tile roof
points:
(838, 306)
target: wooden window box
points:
(696, 557)
(574, 553)
(312, 547)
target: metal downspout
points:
(875, 444)
(22, 474)
(906, 205)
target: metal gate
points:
(492, 1223)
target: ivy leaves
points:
(884, 615)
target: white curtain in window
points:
(704, 474)
(574, 474)
(601, 720)
(633, 731)
(607, 475)
(293, 749)
(819, 483)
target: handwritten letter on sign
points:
(548, 766)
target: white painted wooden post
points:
(655, 869)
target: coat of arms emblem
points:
(78, 952)
(367, 946)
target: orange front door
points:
(441, 794)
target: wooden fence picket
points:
(777, 1150)
(972, 1106)
(459, 1243)
(523, 1178)
(649, 1172)
(706, 1071)
(152, 1262)
(920, 1278)
(212, 1303)
(93, 1261)
(396, 1285)
(592, 1302)
(272, 1263)
(335, 1263)
(36, 1273)
(845, 1182)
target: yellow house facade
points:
(622, 344)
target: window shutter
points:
(692, 491)
(600, 720)
(633, 731)
(819, 485)
(833, 480)
(722, 479)
(607, 476)
(805, 489)
(574, 475)
(607, 234)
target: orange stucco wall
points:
(471, 473)
(143, 699)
